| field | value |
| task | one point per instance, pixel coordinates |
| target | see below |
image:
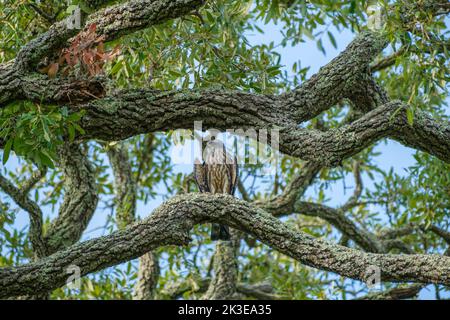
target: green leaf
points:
(45, 159)
(7, 150)
(320, 46)
(117, 67)
(70, 9)
(71, 132)
(332, 39)
(410, 116)
(80, 129)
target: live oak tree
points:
(88, 118)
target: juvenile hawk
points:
(217, 174)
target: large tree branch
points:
(80, 198)
(112, 22)
(336, 80)
(142, 111)
(132, 112)
(387, 121)
(170, 225)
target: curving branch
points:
(170, 225)
(284, 203)
(363, 238)
(336, 80)
(80, 198)
(262, 291)
(387, 121)
(409, 292)
(288, 203)
(20, 196)
(145, 111)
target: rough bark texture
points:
(20, 196)
(263, 291)
(170, 225)
(409, 292)
(148, 275)
(80, 199)
(124, 185)
(112, 22)
(122, 114)
(142, 112)
(223, 284)
(132, 112)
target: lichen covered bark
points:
(148, 275)
(124, 185)
(223, 284)
(170, 225)
(80, 198)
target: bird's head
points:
(214, 150)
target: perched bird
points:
(217, 174)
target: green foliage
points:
(205, 50)
(113, 284)
(211, 48)
(35, 131)
(14, 246)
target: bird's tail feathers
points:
(220, 232)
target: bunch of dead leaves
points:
(86, 56)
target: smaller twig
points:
(394, 233)
(49, 18)
(395, 294)
(358, 188)
(387, 61)
(29, 184)
(441, 233)
(242, 190)
(34, 211)
(199, 16)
